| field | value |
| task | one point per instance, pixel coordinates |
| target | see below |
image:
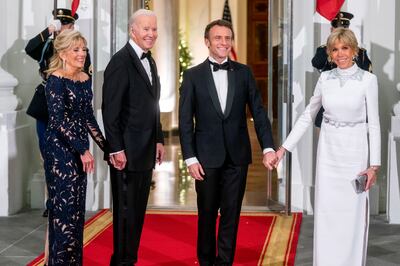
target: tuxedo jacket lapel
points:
(231, 90)
(212, 90)
(154, 77)
(138, 65)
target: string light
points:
(185, 56)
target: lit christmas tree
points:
(185, 56)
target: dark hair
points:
(218, 22)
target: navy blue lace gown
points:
(71, 120)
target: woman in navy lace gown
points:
(67, 156)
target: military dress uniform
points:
(40, 48)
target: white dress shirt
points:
(221, 82)
(145, 61)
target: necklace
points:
(343, 78)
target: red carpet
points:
(169, 239)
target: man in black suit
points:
(131, 114)
(215, 141)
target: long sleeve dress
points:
(347, 144)
(71, 119)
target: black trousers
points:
(130, 192)
(222, 189)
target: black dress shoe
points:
(45, 213)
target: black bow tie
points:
(146, 55)
(216, 66)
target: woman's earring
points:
(64, 64)
(329, 59)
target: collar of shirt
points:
(139, 51)
(215, 61)
(146, 63)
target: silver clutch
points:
(360, 183)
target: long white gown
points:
(341, 216)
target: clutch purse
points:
(359, 183)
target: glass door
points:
(280, 87)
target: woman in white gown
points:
(350, 135)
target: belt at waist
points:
(341, 123)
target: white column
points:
(8, 100)
(13, 126)
(166, 56)
(393, 167)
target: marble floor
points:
(22, 235)
(174, 188)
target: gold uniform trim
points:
(341, 19)
(65, 16)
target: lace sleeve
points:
(93, 127)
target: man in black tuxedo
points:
(131, 114)
(215, 141)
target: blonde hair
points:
(64, 41)
(343, 35)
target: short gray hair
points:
(138, 13)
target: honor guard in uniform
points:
(40, 48)
(320, 60)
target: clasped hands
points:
(270, 160)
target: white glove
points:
(54, 25)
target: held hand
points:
(279, 155)
(160, 152)
(372, 175)
(269, 160)
(87, 162)
(196, 171)
(118, 160)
